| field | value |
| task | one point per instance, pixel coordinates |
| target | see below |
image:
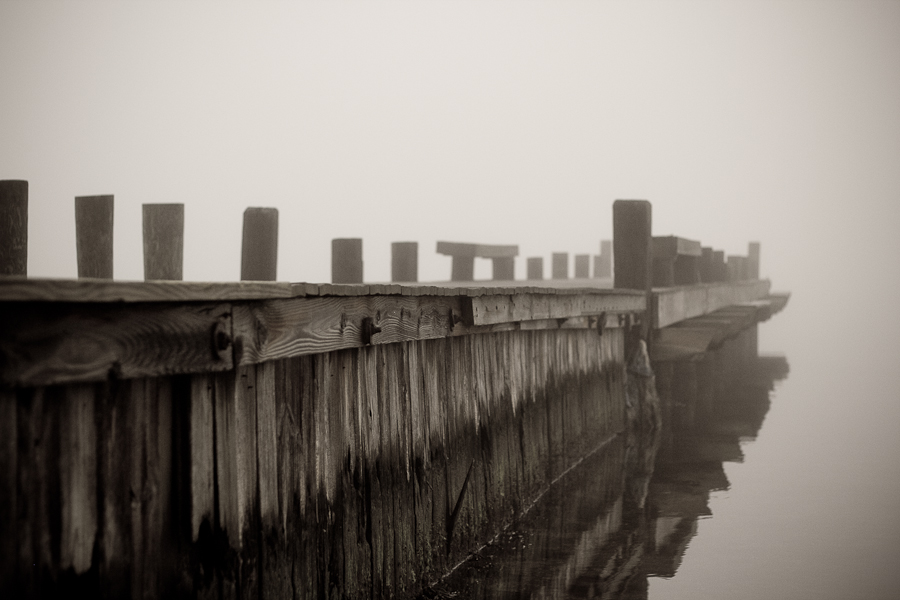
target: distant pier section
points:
(265, 439)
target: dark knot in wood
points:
(368, 328)
(221, 340)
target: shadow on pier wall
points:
(628, 512)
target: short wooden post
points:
(346, 260)
(706, 265)
(535, 268)
(94, 236)
(462, 268)
(582, 266)
(720, 269)
(560, 265)
(734, 268)
(163, 241)
(405, 261)
(259, 248)
(13, 227)
(603, 263)
(504, 268)
(753, 259)
(632, 250)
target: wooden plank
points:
(42, 344)
(282, 328)
(202, 447)
(671, 305)
(78, 478)
(163, 241)
(14, 289)
(672, 246)
(8, 467)
(477, 250)
(488, 310)
(114, 489)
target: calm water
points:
(765, 484)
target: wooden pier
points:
(346, 440)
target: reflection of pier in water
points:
(628, 512)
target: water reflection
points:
(628, 512)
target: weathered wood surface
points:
(42, 344)
(259, 246)
(13, 227)
(94, 235)
(671, 305)
(163, 226)
(363, 472)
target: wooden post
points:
(706, 265)
(560, 265)
(405, 261)
(720, 269)
(13, 227)
(94, 236)
(535, 268)
(462, 268)
(346, 260)
(632, 244)
(163, 241)
(753, 258)
(259, 250)
(582, 266)
(686, 270)
(603, 263)
(504, 268)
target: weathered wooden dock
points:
(264, 439)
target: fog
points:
(491, 122)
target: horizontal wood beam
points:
(477, 250)
(489, 310)
(671, 305)
(671, 246)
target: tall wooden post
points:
(560, 265)
(720, 269)
(94, 236)
(582, 266)
(633, 256)
(259, 249)
(504, 268)
(753, 258)
(632, 244)
(163, 241)
(346, 260)
(535, 268)
(13, 227)
(405, 261)
(706, 265)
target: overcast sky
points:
(493, 122)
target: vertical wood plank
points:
(13, 227)
(201, 452)
(94, 236)
(271, 567)
(115, 447)
(78, 478)
(346, 260)
(8, 465)
(404, 261)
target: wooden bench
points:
(464, 255)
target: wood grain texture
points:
(489, 310)
(42, 344)
(94, 236)
(13, 227)
(8, 465)
(202, 446)
(78, 475)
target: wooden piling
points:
(94, 236)
(404, 262)
(753, 260)
(603, 262)
(259, 251)
(346, 260)
(706, 267)
(163, 241)
(535, 268)
(582, 266)
(13, 227)
(720, 269)
(560, 265)
(504, 268)
(632, 244)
